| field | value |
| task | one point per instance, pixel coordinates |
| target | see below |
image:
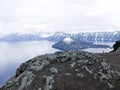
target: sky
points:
(31, 16)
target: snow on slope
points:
(68, 40)
(58, 36)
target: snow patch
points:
(46, 35)
(68, 40)
(49, 82)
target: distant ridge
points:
(58, 36)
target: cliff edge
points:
(68, 70)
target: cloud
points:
(59, 15)
(7, 9)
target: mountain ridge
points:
(58, 36)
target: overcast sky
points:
(28, 16)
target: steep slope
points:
(70, 70)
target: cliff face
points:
(70, 70)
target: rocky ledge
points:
(69, 70)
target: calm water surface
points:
(13, 54)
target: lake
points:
(13, 54)
(100, 50)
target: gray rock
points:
(69, 70)
(67, 74)
(54, 70)
(80, 75)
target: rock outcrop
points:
(69, 70)
(116, 46)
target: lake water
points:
(13, 54)
(101, 50)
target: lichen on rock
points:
(68, 70)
